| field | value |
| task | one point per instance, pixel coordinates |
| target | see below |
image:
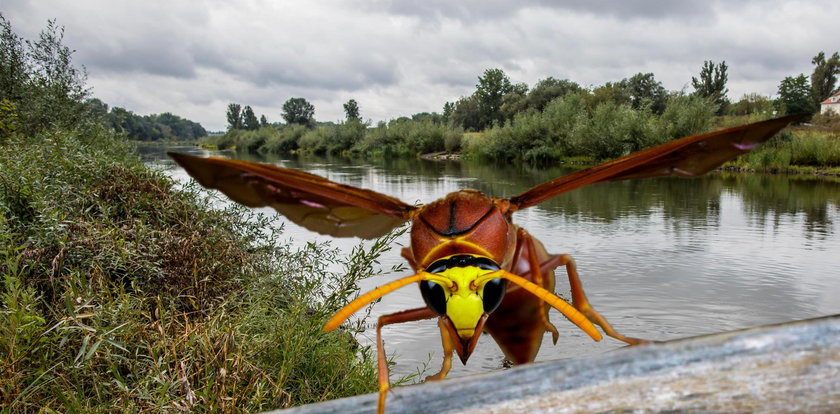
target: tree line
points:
(557, 118)
(165, 127)
(40, 88)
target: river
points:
(659, 258)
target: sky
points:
(397, 58)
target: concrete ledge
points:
(787, 368)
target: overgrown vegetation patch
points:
(122, 291)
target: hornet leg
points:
(381, 361)
(579, 300)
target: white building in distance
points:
(831, 104)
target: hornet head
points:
(460, 291)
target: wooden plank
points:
(788, 368)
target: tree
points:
(795, 95)
(549, 89)
(351, 111)
(13, 61)
(490, 90)
(39, 80)
(299, 111)
(752, 103)
(263, 121)
(611, 92)
(154, 127)
(712, 84)
(96, 108)
(645, 90)
(824, 77)
(515, 101)
(249, 120)
(234, 116)
(448, 107)
(467, 113)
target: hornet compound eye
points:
(494, 292)
(434, 296)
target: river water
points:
(659, 258)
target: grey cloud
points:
(400, 57)
(142, 57)
(481, 10)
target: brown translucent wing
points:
(684, 157)
(308, 200)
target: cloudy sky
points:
(402, 57)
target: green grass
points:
(121, 291)
(804, 150)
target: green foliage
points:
(490, 92)
(14, 73)
(332, 140)
(38, 77)
(448, 107)
(283, 140)
(815, 149)
(424, 133)
(546, 90)
(316, 140)
(824, 77)
(568, 128)
(299, 111)
(408, 137)
(797, 151)
(164, 127)
(795, 96)
(234, 116)
(612, 92)
(712, 84)
(646, 91)
(752, 104)
(351, 111)
(452, 141)
(686, 115)
(614, 130)
(42, 90)
(467, 113)
(9, 120)
(515, 101)
(249, 119)
(121, 293)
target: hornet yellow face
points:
(461, 289)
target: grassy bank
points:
(804, 149)
(120, 291)
(401, 137)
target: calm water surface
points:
(659, 258)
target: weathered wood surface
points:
(789, 368)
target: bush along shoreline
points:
(569, 129)
(812, 148)
(121, 291)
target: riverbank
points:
(811, 149)
(122, 291)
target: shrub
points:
(121, 292)
(407, 137)
(815, 149)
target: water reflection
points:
(660, 258)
